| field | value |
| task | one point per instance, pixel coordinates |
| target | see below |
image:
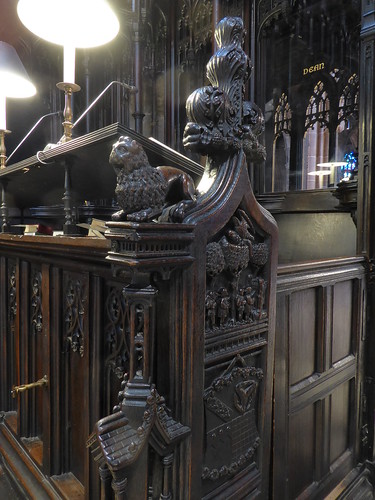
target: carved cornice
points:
(149, 247)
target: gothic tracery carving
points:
(283, 116)
(117, 332)
(36, 303)
(12, 294)
(348, 103)
(318, 107)
(194, 29)
(75, 298)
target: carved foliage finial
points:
(219, 118)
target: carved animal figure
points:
(143, 191)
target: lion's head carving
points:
(142, 191)
(127, 155)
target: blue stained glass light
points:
(351, 163)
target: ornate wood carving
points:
(117, 332)
(231, 422)
(122, 444)
(12, 295)
(142, 201)
(74, 311)
(193, 32)
(141, 418)
(236, 286)
(36, 303)
(220, 121)
(220, 263)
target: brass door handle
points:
(25, 387)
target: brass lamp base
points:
(3, 157)
(68, 89)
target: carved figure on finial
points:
(143, 191)
(220, 121)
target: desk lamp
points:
(332, 165)
(72, 24)
(14, 82)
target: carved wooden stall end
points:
(194, 415)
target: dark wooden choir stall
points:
(141, 365)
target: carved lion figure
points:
(143, 191)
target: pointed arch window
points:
(316, 140)
(348, 103)
(318, 107)
(283, 115)
(346, 145)
(281, 145)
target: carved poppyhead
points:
(230, 31)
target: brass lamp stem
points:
(68, 89)
(3, 157)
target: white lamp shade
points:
(332, 164)
(14, 81)
(76, 23)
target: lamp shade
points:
(14, 81)
(74, 23)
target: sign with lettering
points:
(312, 69)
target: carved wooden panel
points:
(303, 333)
(75, 342)
(31, 354)
(117, 338)
(4, 396)
(236, 331)
(232, 409)
(9, 298)
(318, 376)
(341, 420)
(301, 467)
(48, 317)
(343, 331)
